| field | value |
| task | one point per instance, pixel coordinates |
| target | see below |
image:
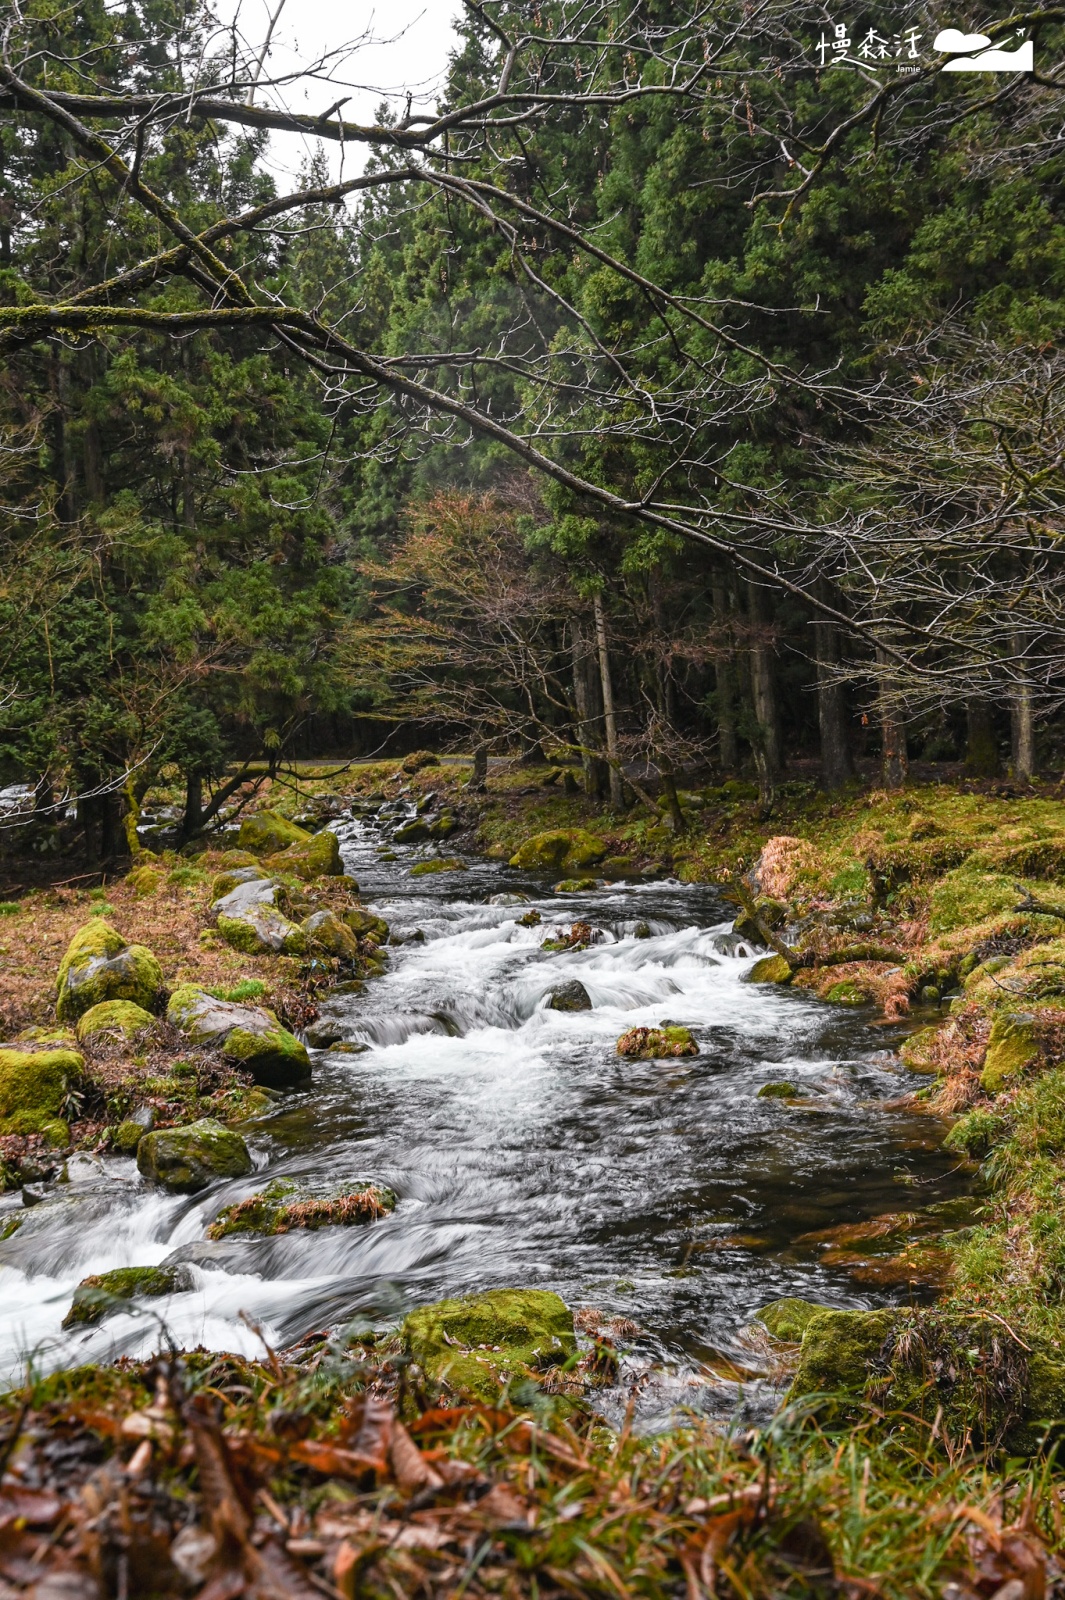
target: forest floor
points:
(943, 904)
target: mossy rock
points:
(847, 993)
(615, 867)
(839, 1351)
(329, 936)
(560, 850)
(262, 930)
(319, 858)
(975, 1134)
(95, 1296)
(119, 1018)
(443, 827)
(572, 996)
(576, 885)
(35, 1083)
(789, 1318)
(1013, 1044)
(778, 1091)
(364, 925)
(444, 864)
(657, 1044)
(225, 882)
(126, 1137)
(145, 881)
(413, 832)
(916, 1050)
(282, 1207)
(266, 833)
(186, 1160)
(479, 1343)
(99, 965)
(770, 969)
(248, 1036)
(418, 760)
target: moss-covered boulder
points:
(563, 850)
(318, 858)
(105, 1292)
(656, 1044)
(250, 920)
(282, 1206)
(118, 1019)
(425, 869)
(100, 965)
(225, 882)
(916, 1051)
(784, 1090)
(443, 827)
(1013, 1044)
(34, 1085)
(247, 1036)
(326, 935)
(146, 881)
(364, 925)
(265, 833)
(413, 832)
(790, 1317)
(186, 1160)
(575, 885)
(479, 1343)
(770, 969)
(847, 993)
(839, 1351)
(127, 1136)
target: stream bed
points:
(523, 1149)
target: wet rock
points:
(186, 1160)
(839, 1349)
(319, 858)
(615, 867)
(642, 930)
(576, 885)
(118, 1018)
(327, 935)
(479, 1343)
(248, 1036)
(531, 919)
(770, 969)
(1012, 1045)
(82, 1168)
(96, 1296)
(321, 1034)
(265, 833)
(34, 1086)
(789, 1318)
(283, 1206)
(778, 1091)
(731, 944)
(507, 900)
(443, 864)
(100, 965)
(571, 996)
(560, 850)
(413, 832)
(443, 827)
(364, 925)
(657, 1044)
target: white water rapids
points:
(522, 1148)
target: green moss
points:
(186, 1160)
(145, 881)
(847, 993)
(126, 1137)
(967, 897)
(789, 1318)
(36, 1083)
(778, 1091)
(121, 1017)
(275, 1058)
(441, 864)
(99, 965)
(246, 989)
(95, 1296)
(364, 925)
(655, 1044)
(561, 850)
(916, 1050)
(479, 1343)
(281, 1207)
(770, 969)
(576, 885)
(839, 1349)
(225, 882)
(1013, 1045)
(262, 930)
(974, 1134)
(327, 935)
(266, 833)
(318, 858)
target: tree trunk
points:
(894, 761)
(478, 782)
(588, 699)
(763, 696)
(836, 765)
(1022, 730)
(192, 821)
(981, 747)
(669, 789)
(617, 781)
(725, 690)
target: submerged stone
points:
(282, 1207)
(483, 1341)
(186, 1160)
(95, 1296)
(657, 1044)
(100, 965)
(778, 1091)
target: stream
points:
(523, 1149)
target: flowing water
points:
(523, 1149)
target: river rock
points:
(186, 1160)
(321, 1034)
(1013, 1044)
(572, 996)
(562, 850)
(424, 869)
(326, 934)
(267, 832)
(120, 1019)
(784, 1090)
(790, 1317)
(227, 881)
(507, 900)
(100, 965)
(96, 1296)
(248, 1036)
(318, 858)
(364, 925)
(283, 1206)
(250, 920)
(482, 1341)
(412, 832)
(34, 1085)
(770, 969)
(657, 1044)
